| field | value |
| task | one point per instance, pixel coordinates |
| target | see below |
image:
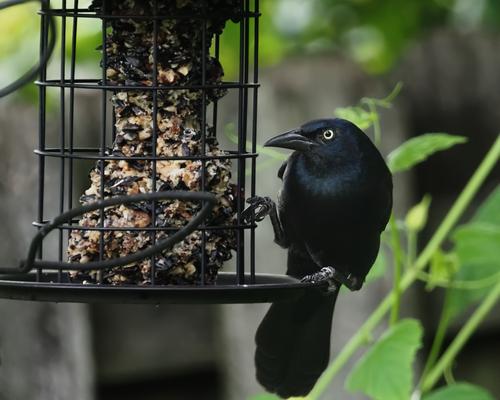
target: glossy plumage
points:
(335, 202)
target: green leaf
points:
(364, 118)
(489, 212)
(387, 101)
(416, 219)
(418, 149)
(264, 396)
(385, 371)
(443, 267)
(378, 269)
(476, 245)
(459, 391)
(357, 115)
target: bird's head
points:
(317, 135)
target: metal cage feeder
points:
(159, 73)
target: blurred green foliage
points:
(476, 245)
(373, 33)
(18, 50)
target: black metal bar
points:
(71, 226)
(240, 239)
(103, 134)
(62, 132)
(95, 84)
(76, 154)
(246, 50)
(253, 183)
(71, 126)
(113, 127)
(204, 55)
(42, 94)
(85, 13)
(215, 118)
(155, 131)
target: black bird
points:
(335, 202)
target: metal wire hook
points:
(32, 73)
(208, 199)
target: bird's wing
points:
(385, 200)
(282, 169)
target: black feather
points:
(293, 340)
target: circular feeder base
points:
(267, 288)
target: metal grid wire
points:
(66, 154)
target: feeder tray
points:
(143, 80)
(267, 288)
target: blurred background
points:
(315, 56)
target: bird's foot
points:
(326, 274)
(334, 277)
(259, 208)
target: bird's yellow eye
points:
(328, 134)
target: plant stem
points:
(397, 260)
(410, 276)
(448, 376)
(350, 348)
(463, 335)
(463, 285)
(377, 131)
(411, 251)
(444, 321)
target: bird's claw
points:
(352, 282)
(326, 274)
(334, 278)
(258, 209)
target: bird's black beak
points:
(293, 139)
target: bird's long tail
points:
(293, 344)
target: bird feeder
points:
(162, 207)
